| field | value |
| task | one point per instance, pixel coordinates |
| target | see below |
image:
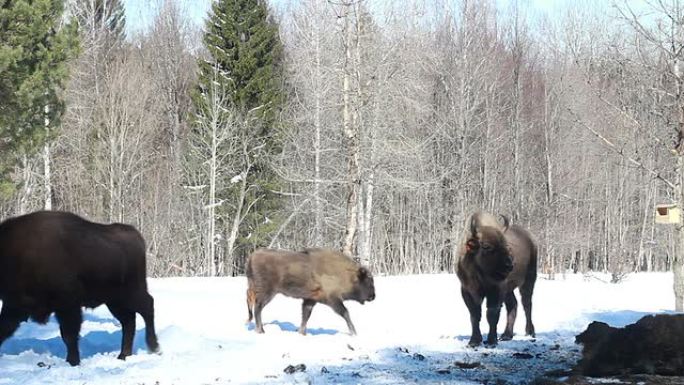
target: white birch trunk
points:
(318, 200)
(235, 224)
(47, 177)
(351, 136)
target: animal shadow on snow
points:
(518, 361)
(290, 327)
(27, 338)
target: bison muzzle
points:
(494, 260)
(314, 275)
(58, 262)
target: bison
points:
(314, 275)
(494, 259)
(652, 345)
(58, 262)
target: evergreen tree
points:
(243, 42)
(34, 47)
(244, 47)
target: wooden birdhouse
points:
(667, 213)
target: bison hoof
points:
(259, 331)
(506, 337)
(302, 332)
(73, 361)
(474, 343)
(121, 357)
(154, 349)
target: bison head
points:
(364, 288)
(488, 245)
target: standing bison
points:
(494, 260)
(314, 275)
(58, 262)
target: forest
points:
(375, 127)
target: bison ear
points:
(471, 245)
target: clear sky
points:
(140, 13)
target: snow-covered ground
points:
(415, 331)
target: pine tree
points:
(35, 45)
(244, 47)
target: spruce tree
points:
(244, 46)
(35, 45)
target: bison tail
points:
(532, 267)
(527, 287)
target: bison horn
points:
(506, 222)
(474, 224)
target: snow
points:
(414, 332)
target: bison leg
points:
(526, 296)
(145, 307)
(127, 319)
(493, 313)
(340, 309)
(70, 319)
(251, 298)
(261, 301)
(10, 318)
(307, 307)
(512, 310)
(474, 305)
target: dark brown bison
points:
(314, 275)
(495, 259)
(652, 345)
(58, 262)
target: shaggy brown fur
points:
(58, 262)
(314, 275)
(494, 260)
(652, 345)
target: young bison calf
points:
(494, 260)
(314, 275)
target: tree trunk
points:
(648, 215)
(547, 266)
(515, 124)
(27, 185)
(678, 262)
(235, 225)
(211, 214)
(47, 177)
(352, 141)
(318, 200)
